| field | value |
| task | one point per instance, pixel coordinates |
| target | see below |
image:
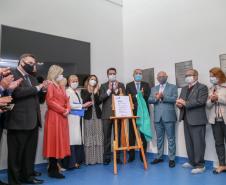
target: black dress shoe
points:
(172, 164)
(32, 181)
(107, 161)
(156, 161)
(217, 172)
(3, 183)
(119, 161)
(36, 174)
(56, 175)
(131, 160)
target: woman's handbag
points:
(219, 116)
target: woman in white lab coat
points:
(75, 124)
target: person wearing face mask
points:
(23, 122)
(93, 129)
(163, 97)
(133, 88)
(216, 111)
(56, 144)
(192, 103)
(75, 124)
(112, 86)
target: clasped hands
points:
(180, 102)
(213, 97)
(44, 85)
(159, 96)
(7, 81)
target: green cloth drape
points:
(144, 121)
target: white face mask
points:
(112, 78)
(74, 85)
(189, 79)
(59, 78)
(213, 80)
(92, 82)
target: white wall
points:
(158, 33)
(155, 33)
(95, 21)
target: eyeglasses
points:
(189, 75)
(29, 63)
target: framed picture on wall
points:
(180, 69)
(149, 76)
(223, 62)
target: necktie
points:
(138, 86)
(113, 90)
(26, 77)
(161, 89)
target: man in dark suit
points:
(133, 88)
(22, 124)
(106, 91)
(192, 104)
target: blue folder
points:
(77, 112)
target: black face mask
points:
(28, 69)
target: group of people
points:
(198, 106)
(78, 128)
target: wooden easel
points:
(124, 136)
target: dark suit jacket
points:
(131, 89)
(26, 112)
(107, 100)
(86, 96)
(195, 104)
(2, 115)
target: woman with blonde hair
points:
(93, 131)
(216, 111)
(56, 132)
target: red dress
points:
(56, 133)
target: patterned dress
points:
(93, 138)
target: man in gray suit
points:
(163, 97)
(112, 86)
(192, 104)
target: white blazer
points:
(74, 120)
(210, 107)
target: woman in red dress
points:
(56, 133)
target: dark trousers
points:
(1, 130)
(22, 145)
(107, 129)
(132, 139)
(53, 167)
(195, 143)
(77, 157)
(219, 134)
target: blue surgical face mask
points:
(213, 80)
(138, 77)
